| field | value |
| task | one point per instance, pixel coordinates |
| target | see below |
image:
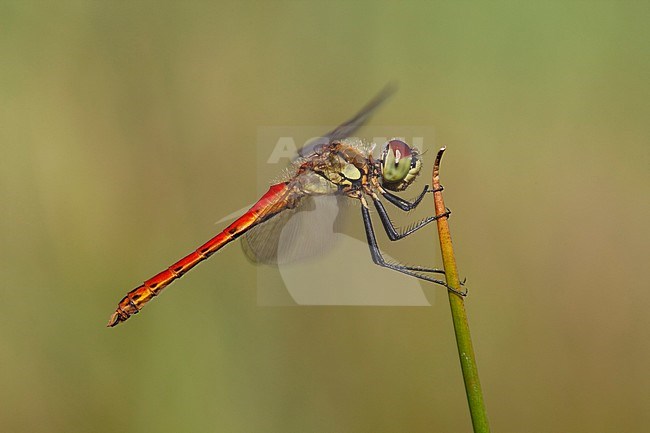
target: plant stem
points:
(458, 313)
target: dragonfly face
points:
(400, 165)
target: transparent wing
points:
(348, 128)
(317, 263)
(295, 234)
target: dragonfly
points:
(336, 165)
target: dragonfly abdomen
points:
(270, 204)
(133, 302)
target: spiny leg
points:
(373, 245)
(392, 233)
(378, 259)
(406, 205)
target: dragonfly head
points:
(400, 165)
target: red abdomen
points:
(276, 199)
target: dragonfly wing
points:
(294, 234)
(348, 128)
(314, 229)
(260, 244)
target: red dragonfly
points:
(335, 165)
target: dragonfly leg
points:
(392, 233)
(406, 205)
(414, 271)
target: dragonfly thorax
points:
(337, 168)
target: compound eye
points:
(396, 161)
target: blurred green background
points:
(126, 131)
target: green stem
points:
(458, 313)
